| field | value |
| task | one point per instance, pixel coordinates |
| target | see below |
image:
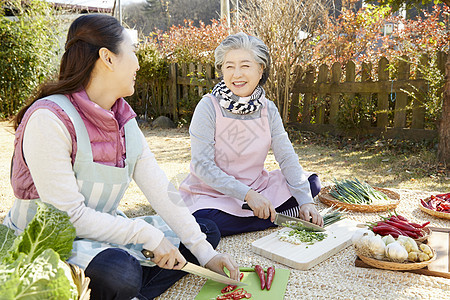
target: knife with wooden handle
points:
(281, 220)
(200, 271)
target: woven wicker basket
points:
(437, 214)
(427, 233)
(389, 265)
(81, 281)
(326, 198)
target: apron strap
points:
(83, 141)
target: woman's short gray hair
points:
(242, 40)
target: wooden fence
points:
(177, 96)
(317, 100)
(317, 97)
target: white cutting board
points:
(304, 257)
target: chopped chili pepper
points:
(241, 276)
(270, 275)
(260, 271)
(228, 288)
(248, 295)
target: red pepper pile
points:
(396, 225)
(235, 294)
(439, 202)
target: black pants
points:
(115, 274)
(229, 224)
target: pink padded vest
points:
(105, 129)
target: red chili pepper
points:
(444, 196)
(424, 204)
(232, 295)
(411, 234)
(248, 295)
(444, 205)
(260, 271)
(228, 288)
(401, 218)
(241, 276)
(403, 226)
(382, 230)
(270, 275)
(386, 230)
(425, 224)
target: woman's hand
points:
(167, 256)
(308, 212)
(261, 206)
(220, 261)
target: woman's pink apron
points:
(241, 147)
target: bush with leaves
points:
(188, 43)
(153, 73)
(28, 50)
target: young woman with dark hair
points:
(78, 146)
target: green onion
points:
(331, 215)
(356, 192)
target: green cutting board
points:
(211, 289)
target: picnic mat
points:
(211, 289)
(336, 277)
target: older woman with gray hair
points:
(231, 132)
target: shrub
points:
(28, 49)
(152, 75)
(189, 43)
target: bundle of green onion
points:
(331, 215)
(356, 192)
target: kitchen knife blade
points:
(200, 271)
(280, 219)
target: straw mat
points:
(337, 277)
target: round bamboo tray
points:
(326, 198)
(81, 281)
(427, 232)
(389, 265)
(437, 214)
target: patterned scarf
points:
(236, 104)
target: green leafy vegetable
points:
(49, 229)
(33, 264)
(44, 278)
(7, 237)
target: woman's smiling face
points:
(241, 72)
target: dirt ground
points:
(172, 150)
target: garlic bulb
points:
(426, 249)
(408, 243)
(413, 256)
(376, 246)
(396, 252)
(423, 256)
(387, 239)
(358, 234)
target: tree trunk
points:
(444, 127)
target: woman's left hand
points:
(221, 261)
(308, 212)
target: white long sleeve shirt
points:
(47, 148)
